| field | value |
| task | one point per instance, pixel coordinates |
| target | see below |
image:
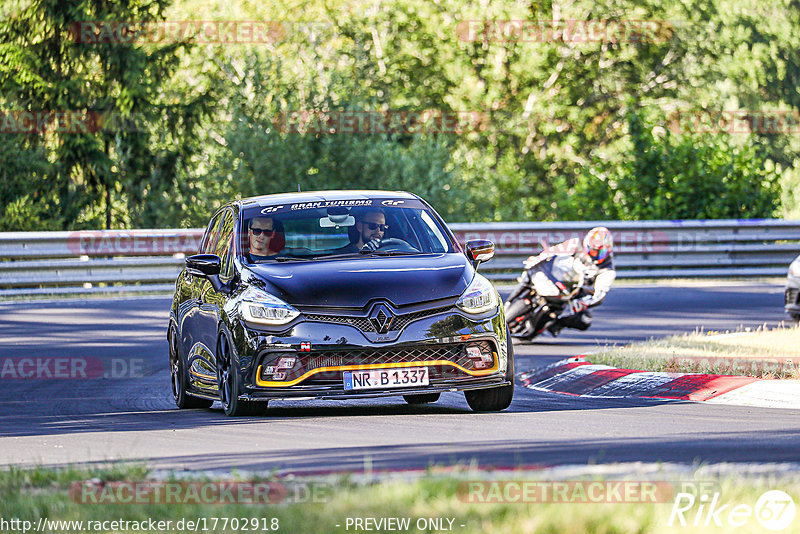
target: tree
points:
(110, 119)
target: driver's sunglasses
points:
(375, 226)
(259, 231)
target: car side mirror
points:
(479, 251)
(204, 265)
(207, 266)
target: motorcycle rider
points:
(599, 246)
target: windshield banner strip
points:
(351, 203)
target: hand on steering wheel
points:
(373, 244)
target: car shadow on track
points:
(503, 454)
(451, 404)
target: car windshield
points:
(330, 229)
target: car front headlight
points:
(262, 308)
(794, 268)
(479, 297)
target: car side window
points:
(225, 244)
(208, 234)
(210, 244)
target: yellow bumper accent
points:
(277, 383)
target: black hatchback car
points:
(336, 295)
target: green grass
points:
(762, 353)
(29, 495)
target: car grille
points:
(454, 352)
(362, 323)
(365, 325)
(792, 296)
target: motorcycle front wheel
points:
(517, 317)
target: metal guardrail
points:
(655, 249)
(150, 260)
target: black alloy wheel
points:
(229, 383)
(179, 377)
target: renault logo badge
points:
(381, 318)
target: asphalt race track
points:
(124, 410)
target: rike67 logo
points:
(774, 510)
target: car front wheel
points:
(229, 381)
(497, 398)
(179, 377)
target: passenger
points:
(264, 243)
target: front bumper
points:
(323, 351)
(332, 392)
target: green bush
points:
(673, 176)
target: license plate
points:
(386, 378)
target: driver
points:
(370, 227)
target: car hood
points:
(354, 282)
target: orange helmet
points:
(598, 243)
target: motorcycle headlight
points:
(262, 308)
(479, 297)
(794, 268)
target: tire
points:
(179, 377)
(498, 398)
(521, 288)
(514, 310)
(424, 398)
(229, 382)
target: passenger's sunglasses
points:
(259, 231)
(375, 226)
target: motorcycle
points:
(544, 292)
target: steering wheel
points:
(394, 244)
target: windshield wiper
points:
(334, 256)
(344, 255)
(292, 258)
(387, 252)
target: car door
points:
(209, 304)
(199, 353)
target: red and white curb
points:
(576, 376)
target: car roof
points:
(323, 196)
